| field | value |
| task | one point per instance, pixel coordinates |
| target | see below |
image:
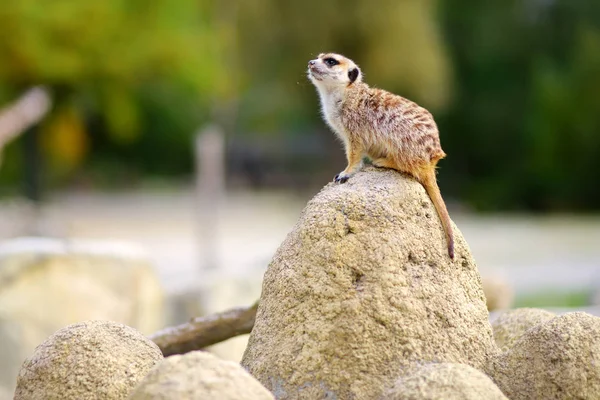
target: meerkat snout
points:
(315, 71)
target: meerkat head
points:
(330, 70)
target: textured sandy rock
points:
(89, 360)
(509, 326)
(199, 375)
(444, 381)
(557, 359)
(362, 287)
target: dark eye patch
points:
(331, 61)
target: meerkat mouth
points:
(316, 74)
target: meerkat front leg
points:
(354, 154)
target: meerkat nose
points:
(311, 63)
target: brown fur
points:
(393, 131)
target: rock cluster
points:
(361, 301)
(556, 359)
(107, 360)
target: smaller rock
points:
(444, 381)
(199, 375)
(5, 394)
(557, 359)
(509, 326)
(11, 354)
(88, 360)
(595, 297)
(499, 294)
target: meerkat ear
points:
(353, 74)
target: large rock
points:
(46, 284)
(361, 288)
(444, 381)
(509, 326)
(199, 375)
(89, 360)
(557, 359)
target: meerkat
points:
(392, 131)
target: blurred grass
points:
(554, 298)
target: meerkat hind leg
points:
(354, 155)
(385, 163)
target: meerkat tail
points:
(429, 182)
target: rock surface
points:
(361, 288)
(557, 359)
(509, 326)
(444, 381)
(199, 375)
(89, 360)
(46, 284)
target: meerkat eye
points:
(330, 61)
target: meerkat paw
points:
(342, 177)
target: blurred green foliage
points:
(514, 84)
(121, 72)
(523, 131)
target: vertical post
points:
(21, 117)
(32, 167)
(210, 189)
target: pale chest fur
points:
(331, 106)
(345, 111)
